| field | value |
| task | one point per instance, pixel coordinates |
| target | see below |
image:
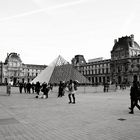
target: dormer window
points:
(10, 64)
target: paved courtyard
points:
(95, 116)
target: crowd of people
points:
(70, 86)
(43, 89)
(35, 88)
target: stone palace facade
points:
(122, 67)
(14, 70)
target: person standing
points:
(107, 86)
(33, 87)
(104, 84)
(29, 87)
(9, 88)
(60, 89)
(72, 89)
(20, 87)
(37, 87)
(25, 87)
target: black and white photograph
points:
(69, 69)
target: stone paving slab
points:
(95, 116)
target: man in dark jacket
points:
(37, 87)
(20, 87)
(28, 87)
(134, 96)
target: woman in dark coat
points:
(37, 87)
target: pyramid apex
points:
(61, 61)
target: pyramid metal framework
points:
(60, 70)
(60, 61)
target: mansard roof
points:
(12, 56)
(126, 43)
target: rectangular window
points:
(98, 71)
(106, 70)
(90, 71)
(103, 71)
(95, 71)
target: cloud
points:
(42, 10)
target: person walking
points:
(134, 96)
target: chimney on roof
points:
(115, 41)
(132, 39)
(132, 36)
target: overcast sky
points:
(40, 30)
